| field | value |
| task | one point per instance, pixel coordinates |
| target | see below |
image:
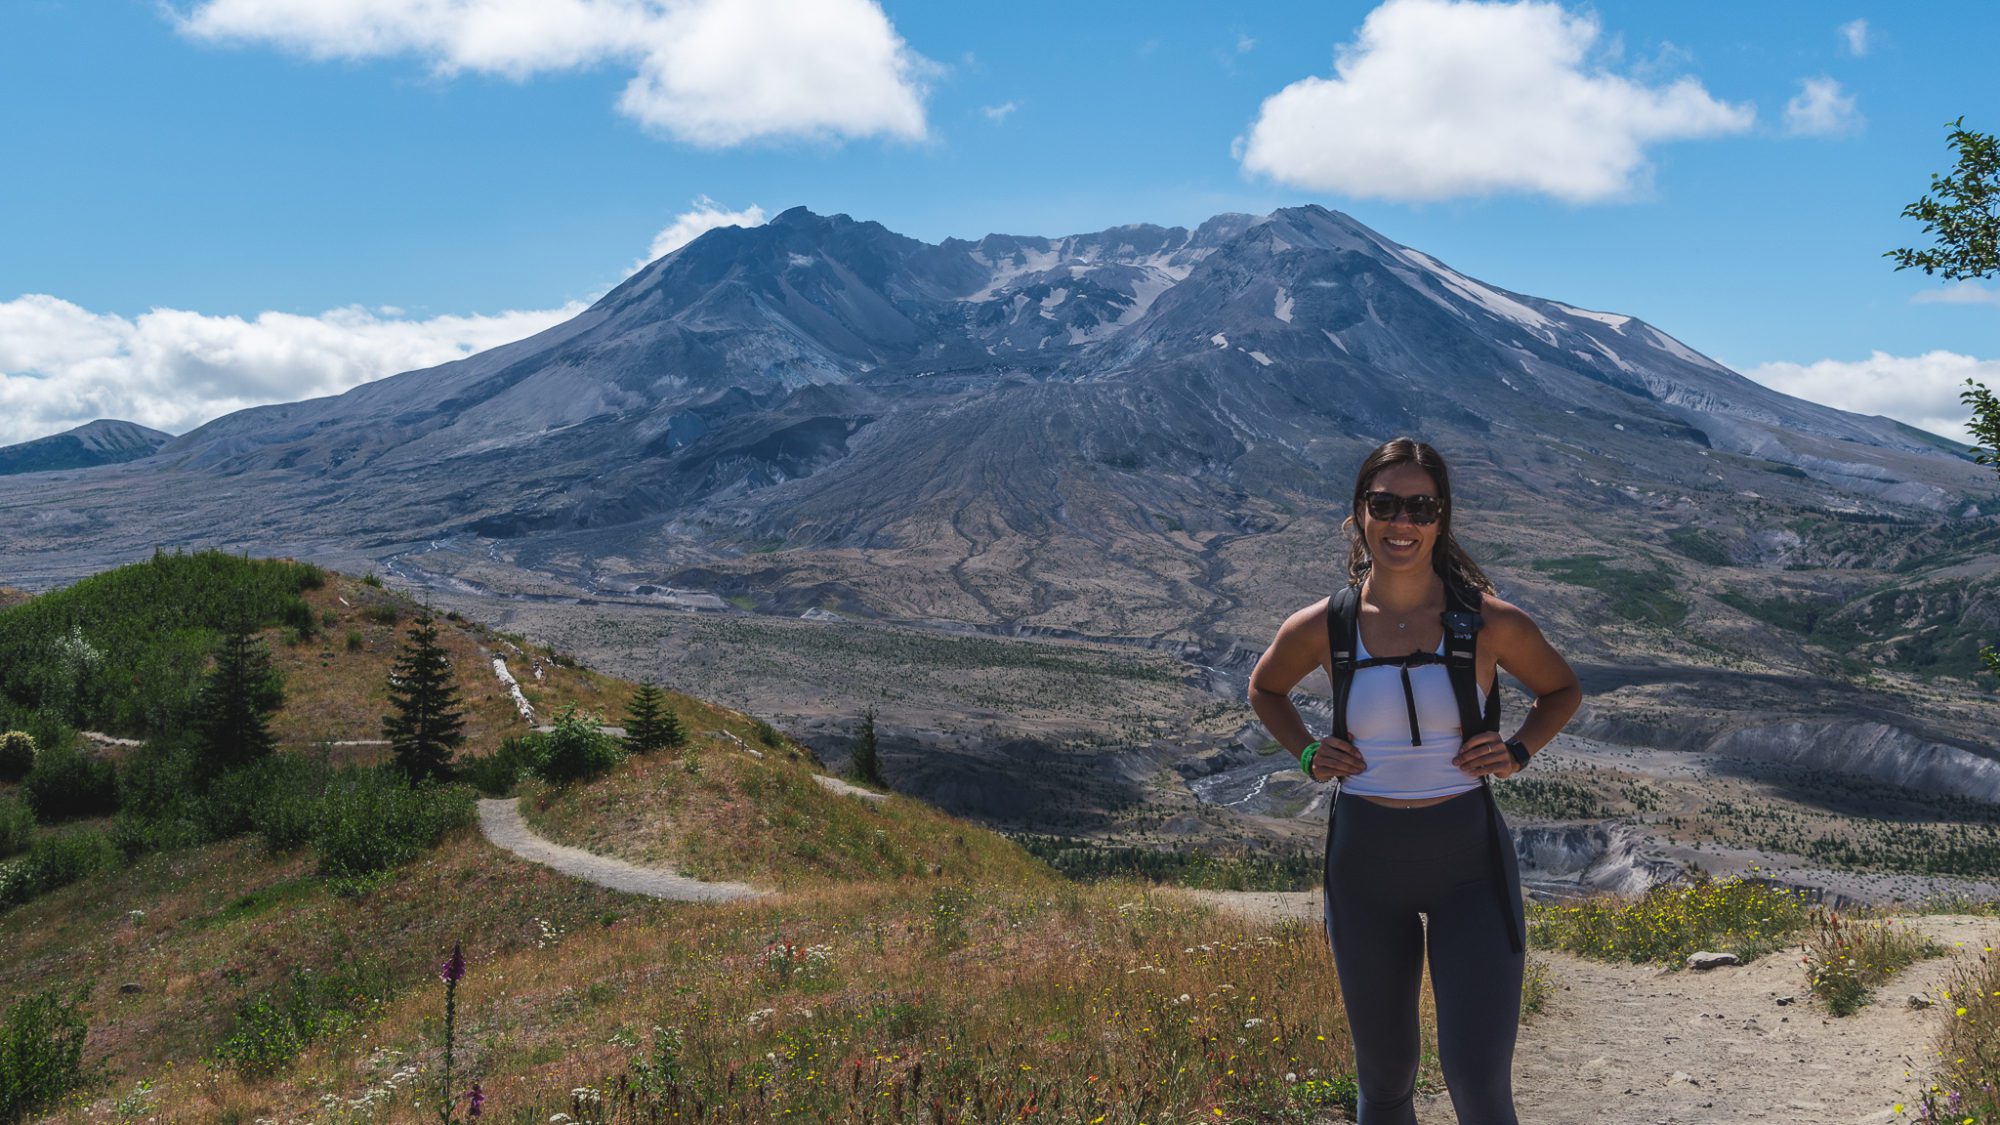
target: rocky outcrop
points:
(1871, 750)
(1561, 860)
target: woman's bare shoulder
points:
(1503, 618)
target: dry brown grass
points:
(333, 694)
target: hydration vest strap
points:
(1343, 624)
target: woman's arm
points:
(1520, 648)
(1299, 648)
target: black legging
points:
(1384, 867)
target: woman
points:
(1413, 828)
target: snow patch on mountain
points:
(1282, 308)
(1614, 320)
(1492, 301)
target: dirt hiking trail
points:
(1632, 1045)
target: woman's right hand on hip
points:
(1336, 758)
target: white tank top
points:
(1378, 719)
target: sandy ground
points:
(1627, 1043)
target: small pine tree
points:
(234, 706)
(428, 724)
(867, 763)
(642, 720)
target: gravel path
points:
(1628, 1043)
(500, 822)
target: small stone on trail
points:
(1706, 960)
(1921, 1001)
(130, 987)
(1784, 1000)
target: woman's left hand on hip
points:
(1485, 754)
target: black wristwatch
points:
(1518, 750)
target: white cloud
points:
(1441, 98)
(1854, 34)
(1962, 293)
(62, 365)
(690, 225)
(710, 72)
(1921, 390)
(1820, 109)
(1245, 44)
(998, 113)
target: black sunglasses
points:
(1423, 510)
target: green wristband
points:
(1306, 757)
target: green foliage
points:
(354, 640)
(1672, 921)
(371, 580)
(17, 827)
(867, 755)
(1087, 859)
(1644, 597)
(234, 706)
(41, 1054)
(382, 615)
(768, 735)
(1698, 545)
(17, 755)
(1548, 798)
(1965, 213)
(152, 626)
(651, 724)
(428, 724)
(576, 750)
(1846, 959)
(66, 783)
(497, 773)
(56, 861)
(370, 821)
(273, 1027)
(277, 797)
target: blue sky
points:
(216, 203)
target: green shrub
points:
(328, 619)
(497, 773)
(65, 784)
(354, 640)
(274, 1026)
(135, 835)
(370, 821)
(576, 750)
(157, 778)
(17, 827)
(382, 614)
(281, 792)
(56, 861)
(1670, 921)
(41, 1054)
(370, 580)
(17, 755)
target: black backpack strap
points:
(1462, 622)
(1343, 625)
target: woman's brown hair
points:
(1449, 559)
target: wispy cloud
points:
(706, 216)
(1961, 293)
(1821, 109)
(709, 72)
(1921, 390)
(1854, 36)
(1436, 99)
(998, 113)
(62, 365)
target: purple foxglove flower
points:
(475, 1100)
(453, 969)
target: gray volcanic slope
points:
(1142, 434)
(106, 441)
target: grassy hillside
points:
(910, 967)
